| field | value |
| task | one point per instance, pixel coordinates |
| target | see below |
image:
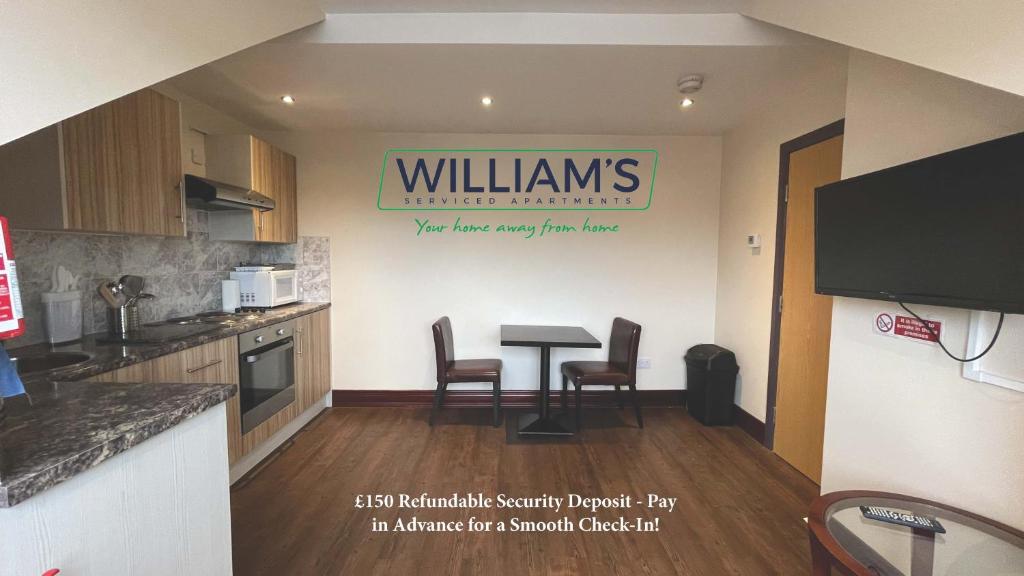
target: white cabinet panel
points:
(1004, 364)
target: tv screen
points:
(945, 230)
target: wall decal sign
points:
(425, 227)
(907, 327)
(419, 179)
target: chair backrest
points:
(444, 348)
(624, 346)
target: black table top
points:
(550, 336)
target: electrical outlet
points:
(643, 363)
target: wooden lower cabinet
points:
(312, 375)
(212, 363)
(133, 373)
(313, 358)
(217, 363)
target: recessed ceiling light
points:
(287, 99)
(486, 101)
(686, 102)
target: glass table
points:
(971, 545)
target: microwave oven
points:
(265, 287)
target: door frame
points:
(827, 132)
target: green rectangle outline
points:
(387, 153)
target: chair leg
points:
(579, 406)
(438, 397)
(563, 397)
(497, 402)
(636, 404)
(618, 397)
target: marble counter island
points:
(113, 479)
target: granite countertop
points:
(74, 426)
(106, 356)
(71, 426)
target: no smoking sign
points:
(907, 327)
(884, 322)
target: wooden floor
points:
(739, 508)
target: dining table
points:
(545, 338)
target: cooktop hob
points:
(158, 334)
(179, 328)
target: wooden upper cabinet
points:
(273, 175)
(115, 168)
(123, 166)
(247, 161)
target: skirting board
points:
(524, 399)
(748, 423)
(509, 398)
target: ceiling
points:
(561, 6)
(582, 73)
(536, 89)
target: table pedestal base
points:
(534, 425)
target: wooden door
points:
(217, 363)
(123, 167)
(806, 318)
(288, 191)
(273, 175)
(260, 164)
(313, 357)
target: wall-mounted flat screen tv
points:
(945, 230)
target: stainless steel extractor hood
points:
(211, 195)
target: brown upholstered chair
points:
(619, 370)
(450, 370)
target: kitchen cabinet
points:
(212, 363)
(115, 169)
(133, 373)
(217, 363)
(247, 161)
(312, 358)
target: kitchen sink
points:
(48, 361)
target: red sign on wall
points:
(910, 327)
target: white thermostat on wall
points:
(753, 240)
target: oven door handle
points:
(254, 358)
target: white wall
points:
(198, 119)
(62, 57)
(979, 41)
(750, 181)
(388, 286)
(900, 417)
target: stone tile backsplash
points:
(183, 273)
(314, 266)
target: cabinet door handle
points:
(181, 196)
(298, 341)
(203, 367)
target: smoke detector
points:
(690, 83)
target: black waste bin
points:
(710, 383)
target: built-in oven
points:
(266, 370)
